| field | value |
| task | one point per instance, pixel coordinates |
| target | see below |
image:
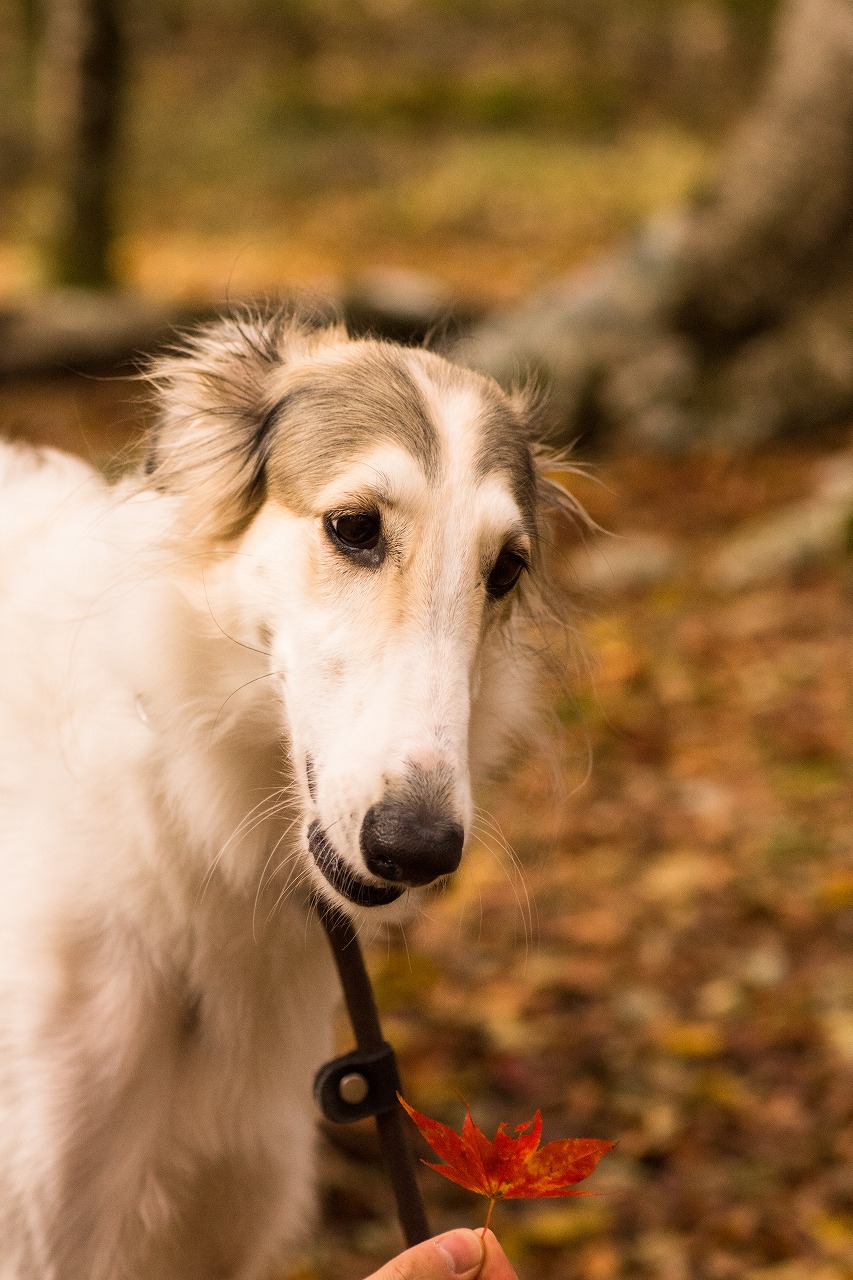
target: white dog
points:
(270, 667)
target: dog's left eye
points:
(355, 530)
(505, 573)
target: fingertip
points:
(465, 1252)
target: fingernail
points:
(464, 1249)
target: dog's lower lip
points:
(342, 879)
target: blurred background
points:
(491, 143)
(648, 206)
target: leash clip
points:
(358, 1084)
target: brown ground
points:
(681, 979)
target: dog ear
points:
(556, 502)
(552, 467)
(216, 398)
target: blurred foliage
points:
(461, 63)
(320, 125)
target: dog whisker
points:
(265, 676)
(276, 806)
(215, 621)
(273, 851)
(290, 888)
(489, 832)
(514, 877)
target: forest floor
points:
(669, 965)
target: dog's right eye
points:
(355, 530)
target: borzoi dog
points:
(269, 667)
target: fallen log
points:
(77, 330)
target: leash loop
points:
(358, 1085)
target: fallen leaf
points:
(690, 1039)
(509, 1168)
(557, 1228)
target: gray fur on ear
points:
(217, 392)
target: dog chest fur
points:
(156, 1059)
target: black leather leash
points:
(365, 1082)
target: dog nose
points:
(404, 844)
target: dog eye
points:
(505, 573)
(356, 531)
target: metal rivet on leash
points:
(365, 1082)
(353, 1088)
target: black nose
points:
(407, 845)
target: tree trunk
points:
(79, 106)
(781, 216)
(734, 323)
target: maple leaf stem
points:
(492, 1204)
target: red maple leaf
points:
(509, 1168)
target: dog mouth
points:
(343, 880)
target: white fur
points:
(165, 990)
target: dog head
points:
(385, 512)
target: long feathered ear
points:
(217, 397)
(553, 475)
(553, 467)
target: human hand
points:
(457, 1255)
